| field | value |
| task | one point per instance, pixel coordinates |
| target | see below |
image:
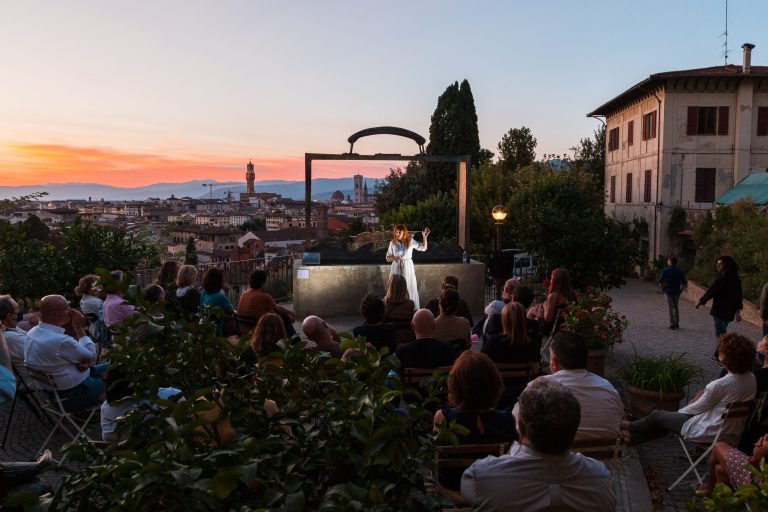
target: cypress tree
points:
(191, 256)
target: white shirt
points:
(710, 406)
(16, 338)
(89, 304)
(49, 349)
(526, 481)
(601, 406)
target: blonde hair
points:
(404, 229)
(186, 276)
(397, 289)
(513, 323)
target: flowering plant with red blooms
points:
(592, 317)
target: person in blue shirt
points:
(672, 282)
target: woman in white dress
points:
(400, 254)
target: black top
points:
(189, 303)
(381, 335)
(500, 350)
(426, 353)
(497, 427)
(725, 293)
(461, 310)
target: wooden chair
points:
(602, 448)
(734, 413)
(415, 376)
(518, 370)
(461, 457)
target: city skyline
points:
(140, 93)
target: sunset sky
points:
(134, 93)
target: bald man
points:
(64, 357)
(323, 335)
(425, 352)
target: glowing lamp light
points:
(499, 213)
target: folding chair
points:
(461, 457)
(734, 413)
(27, 394)
(53, 404)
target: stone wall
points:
(336, 290)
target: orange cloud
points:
(32, 164)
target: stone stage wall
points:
(336, 290)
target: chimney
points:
(747, 60)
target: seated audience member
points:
(474, 389)
(513, 292)
(540, 473)
(14, 335)
(87, 291)
(426, 351)
(154, 294)
(264, 338)
(512, 345)
(559, 295)
(7, 378)
(323, 336)
(450, 327)
(167, 276)
(213, 296)
(31, 319)
(65, 358)
(761, 372)
(255, 303)
(462, 309)
(727, 465)
(187, 295)
(399, 308)
(22, 477)
(601, 406)
(699, 420)
(376, 332)
(115, 308)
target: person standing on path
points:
(672, 282)
(400, 254)
(725, 293)
(763, 301)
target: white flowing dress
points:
(405, 266)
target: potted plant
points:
(592, 317)
(657, 382)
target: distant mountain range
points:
(322, 188)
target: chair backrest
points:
(517, 370)
(42, 377)
(734, 420)
(245, 323)
(601, 448)
(418, 375)
(464, 455)
(737, 410)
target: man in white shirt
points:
(14, 335)
(540, 473)
(601, 406)
(64, 357)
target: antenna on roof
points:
(725, 44)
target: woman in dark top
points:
(512, 345)
(186, 296)
(725, 293)
(167, 277)
(376, 332)
(399, 308)
(474, 388)
(268, 331)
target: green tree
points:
(589, 154)
(556, 216)
(453, 131)
(254, 224)
(407, 186)
(517, 148)
(491, 186)
(34, 228)
(438, 212)
(190, 256)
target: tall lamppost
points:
(499, 214)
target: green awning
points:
(754, 187)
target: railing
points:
(237, 275)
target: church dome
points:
(337, 196)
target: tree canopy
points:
(517, 148)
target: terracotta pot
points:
(642, 402)
(596, 361)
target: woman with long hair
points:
(399, 308)
(167, 276)
(474, 389)
(512, 345)
(187, 296)
(214, 296)
(726, 297)
(400, 254)
(268, 331)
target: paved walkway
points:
(646, 310)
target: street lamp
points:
(499, 214)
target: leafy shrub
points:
(747, 497)
(592, 317)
